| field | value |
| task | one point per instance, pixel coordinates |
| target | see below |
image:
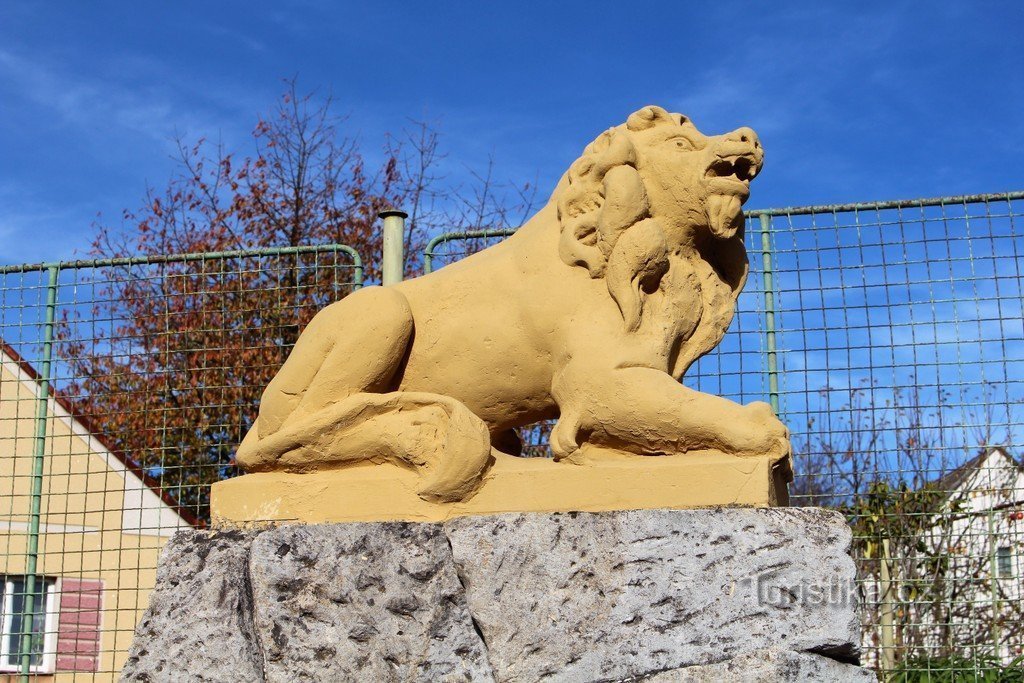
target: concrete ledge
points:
(385, 492)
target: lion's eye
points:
(683, 143)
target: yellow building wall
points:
(91, 528)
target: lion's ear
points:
(648, 117)
(635, 268)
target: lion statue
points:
(590, 313)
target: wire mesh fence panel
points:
(126, 386)
(450, 247)
(894, 335)
(901, 344)
(890, 335)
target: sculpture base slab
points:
(642, 595)
(378, 493)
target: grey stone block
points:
(376, 602)
(660, 595)
(607, 596)
(769, 666)
(198, 626)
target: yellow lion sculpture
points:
(591, 313)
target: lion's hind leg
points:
(354, 345)
(436, 435)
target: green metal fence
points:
(901, 348)
(125, 386)
(890, 337)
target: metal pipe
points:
(434, 243)
(769, 312)
(38, 469)
(357, 262)
(892, 204)
(393, 247)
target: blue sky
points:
(854, 101)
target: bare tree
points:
(170, 361)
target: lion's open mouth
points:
(728, 180)
(740, 169)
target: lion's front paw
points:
(757, 432)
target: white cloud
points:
(148, 102)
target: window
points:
(44, 618)
(1004, 562)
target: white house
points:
(956, 587)
(984, 538)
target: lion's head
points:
(649, 188)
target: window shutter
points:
(78, 624)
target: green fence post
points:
(38, 462)
(768, 276)
(428, 253)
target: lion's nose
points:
(742, 144)
(746, 135)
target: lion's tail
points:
(436, 435)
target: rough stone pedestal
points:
(651, 595)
